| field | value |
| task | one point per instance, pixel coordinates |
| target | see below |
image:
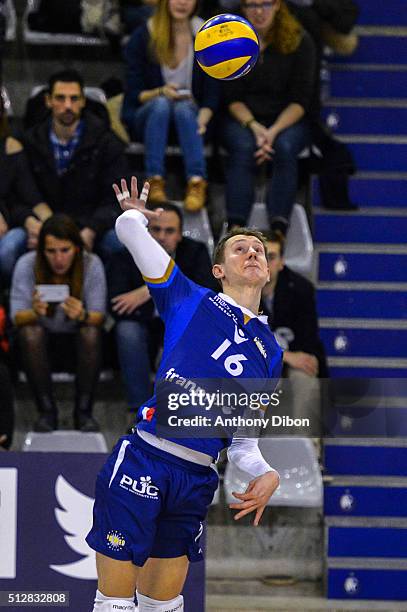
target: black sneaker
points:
(45, 423)
(86, 424)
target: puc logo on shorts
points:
(115, 540)
(142, 487)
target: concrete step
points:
(294, 603)
(366, 457)
(369, 301)
(372, 13)
(341, 342)
(378, 46)
(362, 118)
(367, 368)
(358, 266)
(376, 189)
(379, 226)
(378, 153)
(368, 81)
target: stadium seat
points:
(258, 217)
(296, 462)
(8, 10)
(33, 37)
(197, 227)
(65, 442)
(299, 248)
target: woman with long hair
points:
(66, 325)
(268, 113)
(166, 87)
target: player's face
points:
(66, 102)
(59, 254)
(166, 229)
(261, 13)
(244, 262)
(181, 9)
(275, 260)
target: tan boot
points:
(157, 190)
(195, 196)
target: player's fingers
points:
(245, 504)
(258, 516)
(243, 513)
(144, 192)
(246, 495)
(133, 188)
(119, 195)
(123, 185)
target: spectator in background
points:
(19, 201)
(289, 301)
(268, 114)
(139, 330)
(210, 8)
(3, 26)
(68, 330)
(330, 22)
(6, 387)
(75, 160)
(166, 87)
(136, 12)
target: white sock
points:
(147, 604)
(113, 604)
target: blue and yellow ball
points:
(226, 47)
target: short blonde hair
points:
(219, 254)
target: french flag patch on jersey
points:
(147, 413)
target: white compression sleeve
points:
(150, 258)
(246, 455)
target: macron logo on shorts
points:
(120, 607)
(148, 413)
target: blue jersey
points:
(207, 337)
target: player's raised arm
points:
(131, 229)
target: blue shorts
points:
(149, 503)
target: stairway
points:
(362, 256)
(362, 305)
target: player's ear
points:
(217, 271)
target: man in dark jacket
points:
(75, 160)
(289, 301)
(139, 331)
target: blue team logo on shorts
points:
(115, 540)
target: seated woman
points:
(268, 113)
(66, 326)
(165, 86)
(20, 201)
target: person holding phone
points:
(57, 302)
(164, 88)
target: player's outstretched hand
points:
(129, 200)
(256, 496)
